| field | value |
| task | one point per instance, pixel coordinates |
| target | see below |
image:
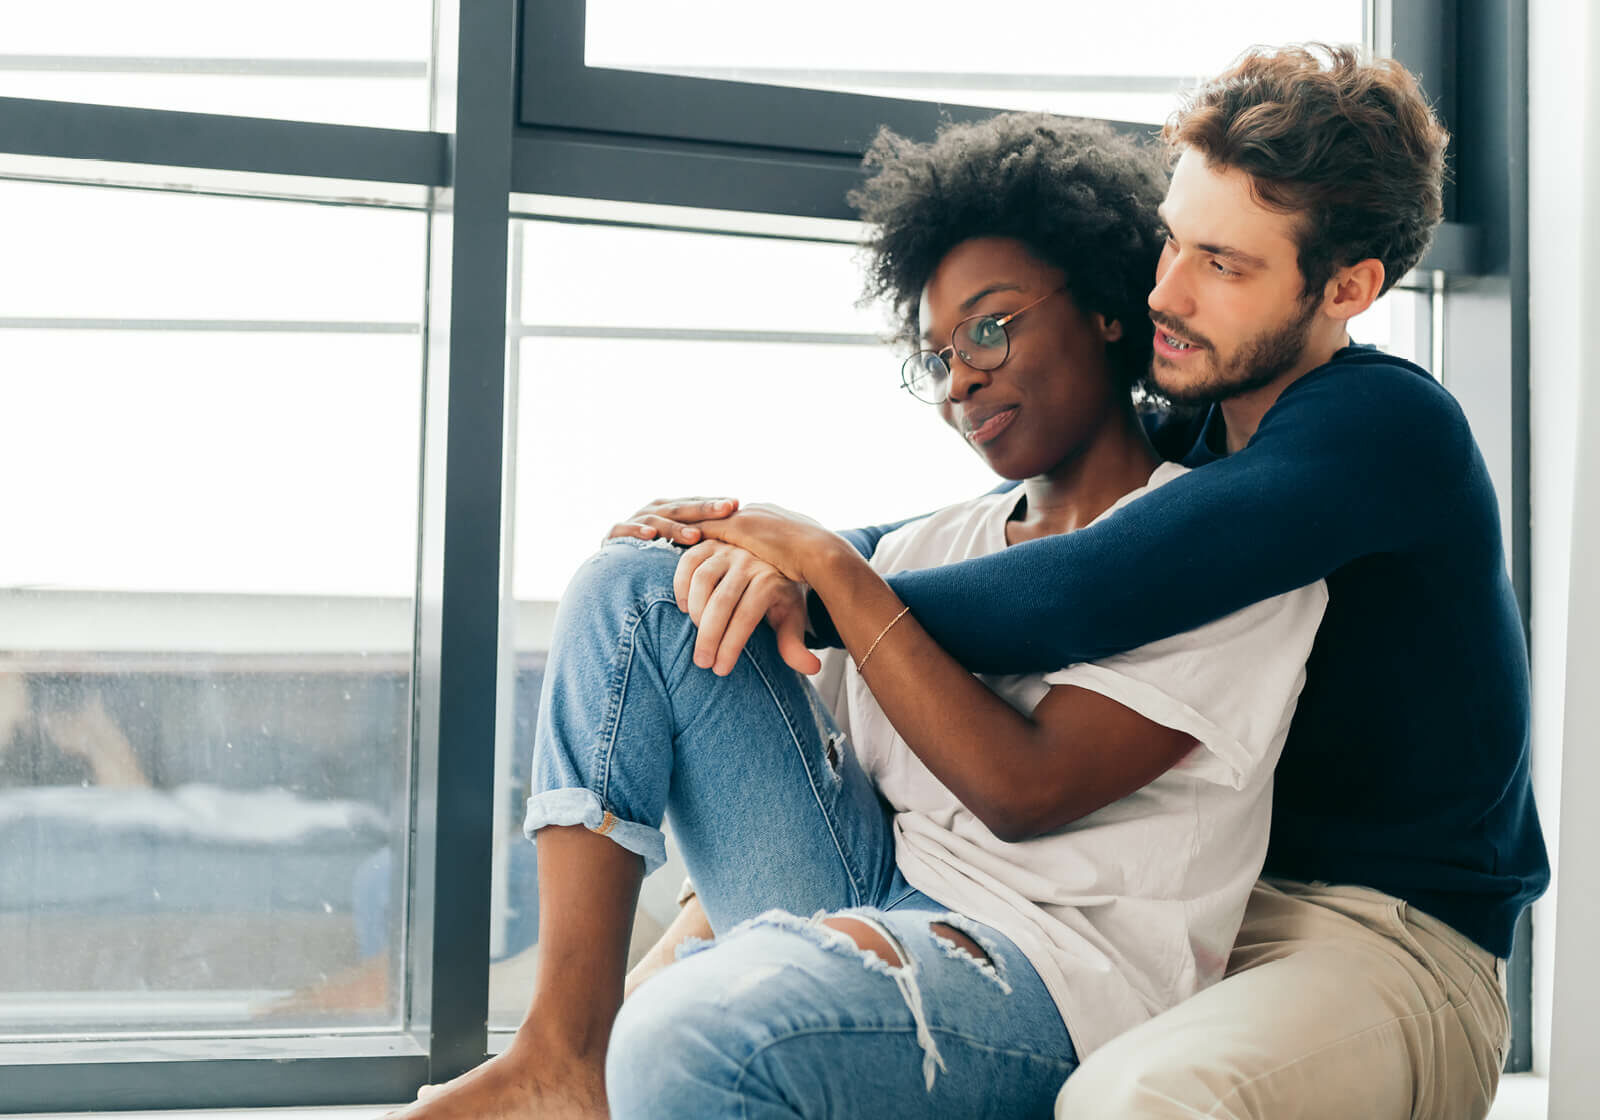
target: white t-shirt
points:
(1134, 907)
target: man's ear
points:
(1353, 289)
(1110, 329)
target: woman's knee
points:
(670, 1055)
(621, 576)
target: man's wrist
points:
(837, 561)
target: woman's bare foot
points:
(527, 1081)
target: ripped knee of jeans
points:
(867, 940)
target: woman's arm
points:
(1362, 459)
(1077, 750)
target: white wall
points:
(1556, 198)
(1575, 1041)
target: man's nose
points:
(1171, 295)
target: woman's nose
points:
(964, 380)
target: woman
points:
(930, 892)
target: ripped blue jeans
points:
(781, 1016)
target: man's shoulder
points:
(1373, 403)
(1360, 376)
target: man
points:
(1368, 978)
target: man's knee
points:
(1117, 1086)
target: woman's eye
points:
(988, 332)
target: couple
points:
(939, 894)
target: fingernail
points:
(723, 505)
(647, 532)
(691, 532)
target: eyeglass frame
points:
(1001, 322)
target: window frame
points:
(521, 114)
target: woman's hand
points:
(673, 519)
(728, 592)
(788, 541)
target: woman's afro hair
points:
(1080, 195)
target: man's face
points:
(1228, 302)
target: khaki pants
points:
(1340, 1003)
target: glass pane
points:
(1400, 324)
(825, 430)
(689, 281)
(207, 594)
(1122, 61)
(337, 61)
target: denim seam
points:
(857, 880)
(617, 693)
(621, 675)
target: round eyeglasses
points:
(981, 342)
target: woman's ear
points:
(1110, 329)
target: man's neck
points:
(1242, 415)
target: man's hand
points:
(672, 519)
(789, 541)
(728, 592)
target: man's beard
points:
(1257, 362)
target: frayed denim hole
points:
(691, 945)
(657, 542)
(994, 967)
(832, 740)
(834, 940)
(831, 751)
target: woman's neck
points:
(1117, 459)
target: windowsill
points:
(1522, 1096)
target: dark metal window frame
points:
(566, 129)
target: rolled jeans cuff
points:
(582, 806)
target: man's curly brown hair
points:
(1349, 146)
(1081, 196)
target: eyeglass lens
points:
(980, 342)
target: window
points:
(204, 731)
(254, 591)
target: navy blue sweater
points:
(1406, 767)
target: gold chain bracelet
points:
(862, 664)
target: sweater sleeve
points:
(1355, 459)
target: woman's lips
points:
(993, 426)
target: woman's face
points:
(1056, 388)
